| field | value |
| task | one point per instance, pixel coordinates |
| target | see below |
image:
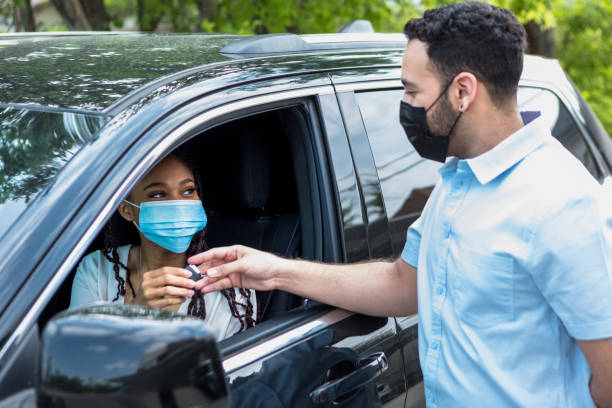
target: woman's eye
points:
(189, 191)
(156, 195)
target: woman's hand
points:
(236, 266)
(164, 288)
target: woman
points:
(146, 244)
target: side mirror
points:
(129, 356)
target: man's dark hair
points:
(474, 37)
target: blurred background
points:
(577, 32)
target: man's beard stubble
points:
(443, 118)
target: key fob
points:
(195, 272)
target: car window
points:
(560, 122)
(406, 179)
(34, 146)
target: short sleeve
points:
(570, 263)
(85, 284)
(410, 253)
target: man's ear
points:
(465, 90)
(126, 211)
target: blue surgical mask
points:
(171, 224)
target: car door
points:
(312, 356)
(406, 180)
(316, 355)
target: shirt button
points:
(435, 344)
(439, 290)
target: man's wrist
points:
(284, 273)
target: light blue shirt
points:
(513, 266)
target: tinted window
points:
(406, 179)
(561, 124)
(34, 145)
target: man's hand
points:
(164, 287)
(236, 266)
(377, 288)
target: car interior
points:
(259, 186)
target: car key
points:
(195, 273)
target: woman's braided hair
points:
(118, 232)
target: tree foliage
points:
(578, 32)
(584, 47)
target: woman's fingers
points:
(167, 286)
(166, 302)
(167, 276)
(163, 291)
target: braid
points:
(197, 305)
(116, 232)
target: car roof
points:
(92, 71)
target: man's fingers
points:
(204, 267)
(223, 283)
(205, 282)
(226, 269)
(220, 254)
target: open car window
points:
(250, 170)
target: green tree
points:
(584, 48)
(17, 15)
(578, 32)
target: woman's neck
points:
(155, 257)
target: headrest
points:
(253, 171)
(235, 168)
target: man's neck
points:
(487, 132)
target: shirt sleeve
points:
(570, 261)
(410, 253)
(85, 284)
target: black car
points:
(301, 154)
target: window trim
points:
(180, 134)
(385, 85)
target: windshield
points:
(34, 146)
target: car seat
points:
(250, 196)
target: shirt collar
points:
(509, 151)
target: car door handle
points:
(367, 369)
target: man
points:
(509, 259)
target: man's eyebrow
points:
(155, 184)
(408, 84)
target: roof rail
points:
(292, 43)
(267, 44)
(358, 26)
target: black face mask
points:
(414, 122)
